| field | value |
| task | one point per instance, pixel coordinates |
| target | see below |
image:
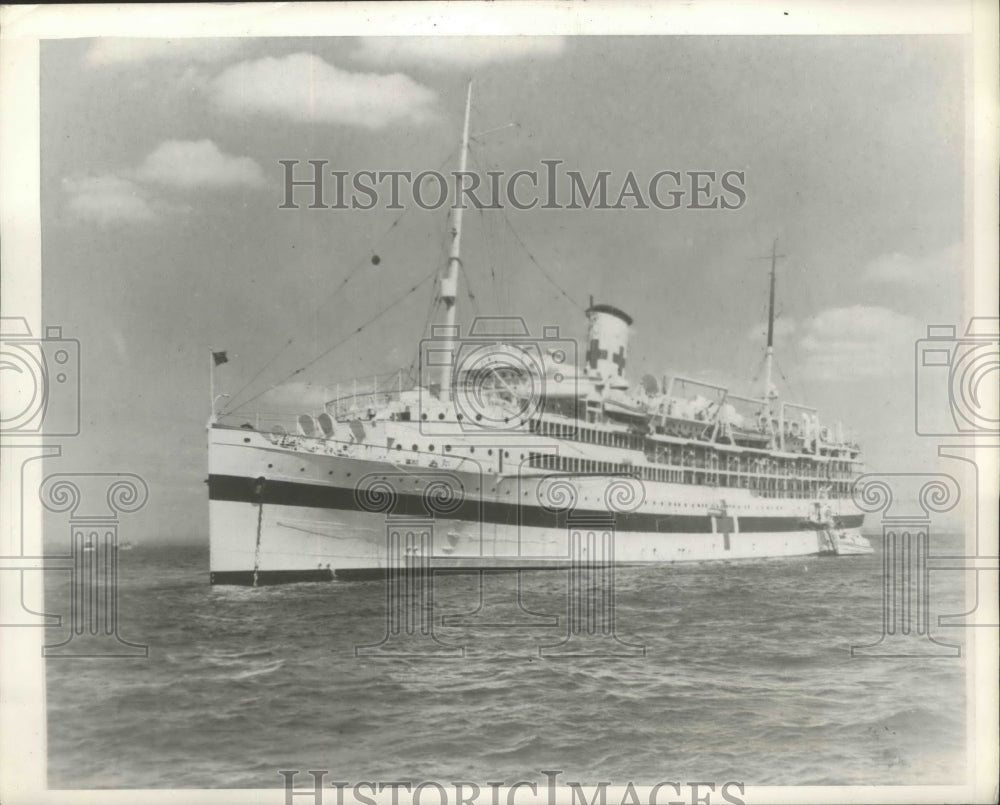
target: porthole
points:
(440, 416)
(423, 416)
(269, 466)
(447, 448)
(430, 447)
(414, 448)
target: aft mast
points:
(449, 280)
(769, 353)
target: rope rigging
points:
(362, 263)
(234, 404)
(489, 238)
(538, 265)
(344, 340)
(527, 251)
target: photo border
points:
(22, 677)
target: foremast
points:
(448, 289)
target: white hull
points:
(280, 535)
(297, 538)
(851, 543)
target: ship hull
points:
(280, 513)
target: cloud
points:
(857, 343)
(446, 52)
(190, 164)
(129, 195)
(111, 51)
(107, 199)
(926, 270)
(303, 87)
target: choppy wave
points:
(747, 674)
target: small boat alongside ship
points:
(505, 441)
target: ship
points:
(506, 442)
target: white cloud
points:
(107, 199)
(112, 51)
(189, 164)
(903, 270)
(128, 195)
(304, 87)
(857, 343)
(446, 52)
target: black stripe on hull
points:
(244, 578)
(289, 493)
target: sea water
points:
(744, 672)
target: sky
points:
(162, 236)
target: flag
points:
(219, 358)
